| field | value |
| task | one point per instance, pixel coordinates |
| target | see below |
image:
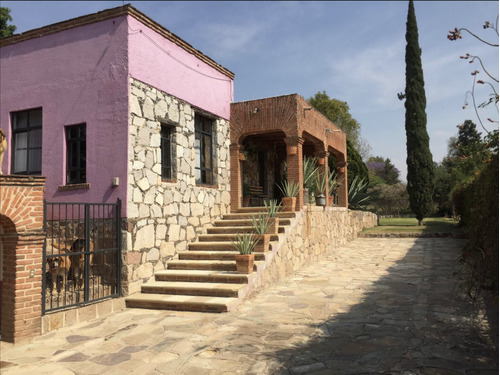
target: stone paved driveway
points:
(375, 306)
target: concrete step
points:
(193, 288)
(207, 276)
(181, 302)
(215, 255)
(228, 237)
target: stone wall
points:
(314, 233)
(164, 215)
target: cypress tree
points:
(419, 159)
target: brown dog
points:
(3, 147)
(57, 271)
(77, 266)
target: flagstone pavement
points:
(374, 306)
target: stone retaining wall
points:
(163, 216)
(314, 233)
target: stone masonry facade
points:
(163, 216)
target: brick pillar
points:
(294, 166)
(342, 176)
(235, 176)
(22, 237)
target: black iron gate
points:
(81, 255)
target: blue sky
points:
(353, 50)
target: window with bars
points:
(27, 142)
(76, 154)
(203, 130)
(167, 141)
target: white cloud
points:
(231, 39)
(377, 72)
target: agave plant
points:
(333, 184)
(309, 170)
(320, 184)
(245, 243)
(274, 208)
(289, 189)
(356, 194)
(261, 223)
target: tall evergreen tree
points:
(419, 159)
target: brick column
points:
(22, 237)
(294, 166)
(342, 192)
(235, 176)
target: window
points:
(27, 142)
(166, 151)
(76, 154)
(203, 150)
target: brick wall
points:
(301, 126)
(21, 245)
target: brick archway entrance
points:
(21, 219)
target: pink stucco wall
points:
(81, 75)
(160, 63)
(77, 76)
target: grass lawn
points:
(404, 224)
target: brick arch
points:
(264, 116)
(22, 240)
(318, 144)
(8, 246)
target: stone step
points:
(181, 302)
(231, 229)
(212, 246)
(214, 255)
(219, 265)
(193, 288)
(243, 215)
(238, 229)
(242, 223)
(227, 237)
(207, 276)
(252, 209)
(216, 246)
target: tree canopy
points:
(6, 29)
(337, 111)
(468, 154)
(382, 168)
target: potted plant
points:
(246, 195)
(261, 226)
(320, 189)
(290, 191)
(273, 209)
(245, 243)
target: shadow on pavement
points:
(412, 320)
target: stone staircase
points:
(204, 277)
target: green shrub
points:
(476, 202)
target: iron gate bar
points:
(100, 226)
